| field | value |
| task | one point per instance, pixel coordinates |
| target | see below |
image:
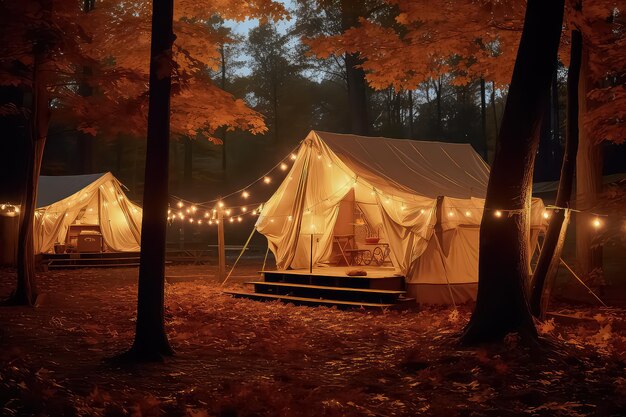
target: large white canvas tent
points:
(94, 201)
(425, 199)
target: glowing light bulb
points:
(210, 222)
(422, 211)
(290, 218)
(231, 220)
(199, 221)
(190, 220)
(546, 215)
(596, 223)
(228, 211)
(497, 213)
(293, 156)
(180, 204)
(468, 213)
(206, 214)
(330, 165)
(450, 214)
(245, 194)
(271, 220)
(254, 212)
(267, 180)
(220, 204)
(244, 209)
(194, 208)
(283, 166)
(3, 206)
(387, 201)
(188, 211)
(319, 156)
(169, 211)
(239, 219)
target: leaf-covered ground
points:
(243, 358)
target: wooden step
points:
(92, 265)
(361, 295)
(334, 280)
(324, 287)
(306, 301)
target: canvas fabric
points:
(88, 200)
(396, 185)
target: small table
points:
(380, 254)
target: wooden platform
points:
(91, 260)
(381, 288)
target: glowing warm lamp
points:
(290, 218)
(228, 211)
(497, 213)
(293, 156)
(190, 220)
(231, 220)
(283, 166)
(245, 194)
(244, 209)
(239, 219)
(180, 204)
(450, 213)
(596, 223)
(468, 213)
(194, 208)
(220, 204)
(546, 215)
(206, 214)
(422, 211)
(267, 180)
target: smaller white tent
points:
(426, 200)
(94, 201)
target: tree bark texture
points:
(150, 338)
(483, 116)
(545, 272)
(26, 289)
(589, 161)
(502, 304)
(355, 76)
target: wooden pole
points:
(221, 251)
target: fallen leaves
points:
(244, 358)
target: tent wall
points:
(424, 197)
(102, 203)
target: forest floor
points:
(237, 357)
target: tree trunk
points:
(589, 163)
(150, 338)
(410, 114)
(86, 141)
(491, 148)
(483, 116)
(357, 85)
(438, 98)
(188, 167)
(223, 129)
(26, 289)
(541, 281)
(501, 304)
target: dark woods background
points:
(273, 72)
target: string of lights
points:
(231, 217)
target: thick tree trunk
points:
(589, 163)
(410, 114)
(501, 304)
(26, 289)
(483, 116)
(491, 148)
(150, 338)
(550, 253)
(188, 167)
(86, 142)
(357, 85)
(439, 113)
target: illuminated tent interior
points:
(85, 213)
(423, 200)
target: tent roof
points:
(56, 188)
(430, 169)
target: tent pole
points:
(245, 246)
(311, 257)
(265, 259)
(439, 236)
(221, 250)
(582, 282)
